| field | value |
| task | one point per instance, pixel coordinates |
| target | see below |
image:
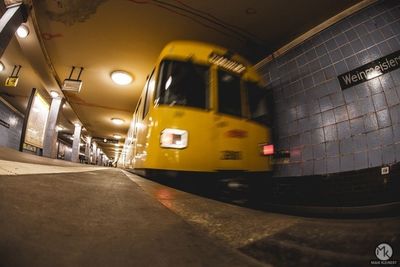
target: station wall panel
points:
(327, 129)
(10, 127)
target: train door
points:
(230, 129)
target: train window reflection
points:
(183, 83)
(229, 100)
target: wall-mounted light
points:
(54, 94)
(121, 77)
(117, 121)
(2, 67)
(23, 31)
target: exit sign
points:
(11, 81)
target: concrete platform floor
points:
(109, 217)
(98, 218)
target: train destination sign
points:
(369, 71)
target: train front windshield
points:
(183, 83)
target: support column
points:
(50, 134)
(94, 151)
(9, 23)
(76, 144)
(98, 156)
(87, 148)
(101, 159)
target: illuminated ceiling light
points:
(54, 94)
(121, 77)
(2, 66)
(59, 128)
(117, 136)
(23, 31)
(116, 145)
(117, 121)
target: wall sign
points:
(37, 122)
(369, 71)
(12, 81)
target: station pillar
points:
(98, 157)
(50, 134)
(10, 20)
(76, 144)
(94, 153)
(87, 148)
(101, 159)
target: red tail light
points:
(268, 150)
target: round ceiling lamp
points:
(121, 77)
(117, 136)
(23, 31)
(117, 121)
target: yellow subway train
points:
(202, 110)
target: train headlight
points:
(174, 138)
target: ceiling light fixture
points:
(23, 31)
(54, 94)
(121, 77)
(117, 121)
(2, 66)
(117, 136)
(72, 84)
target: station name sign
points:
(369, 71)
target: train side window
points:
(150, 85)
(229, 95)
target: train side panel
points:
(215, 142)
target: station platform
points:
(57, 213)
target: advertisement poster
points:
(37, 122)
